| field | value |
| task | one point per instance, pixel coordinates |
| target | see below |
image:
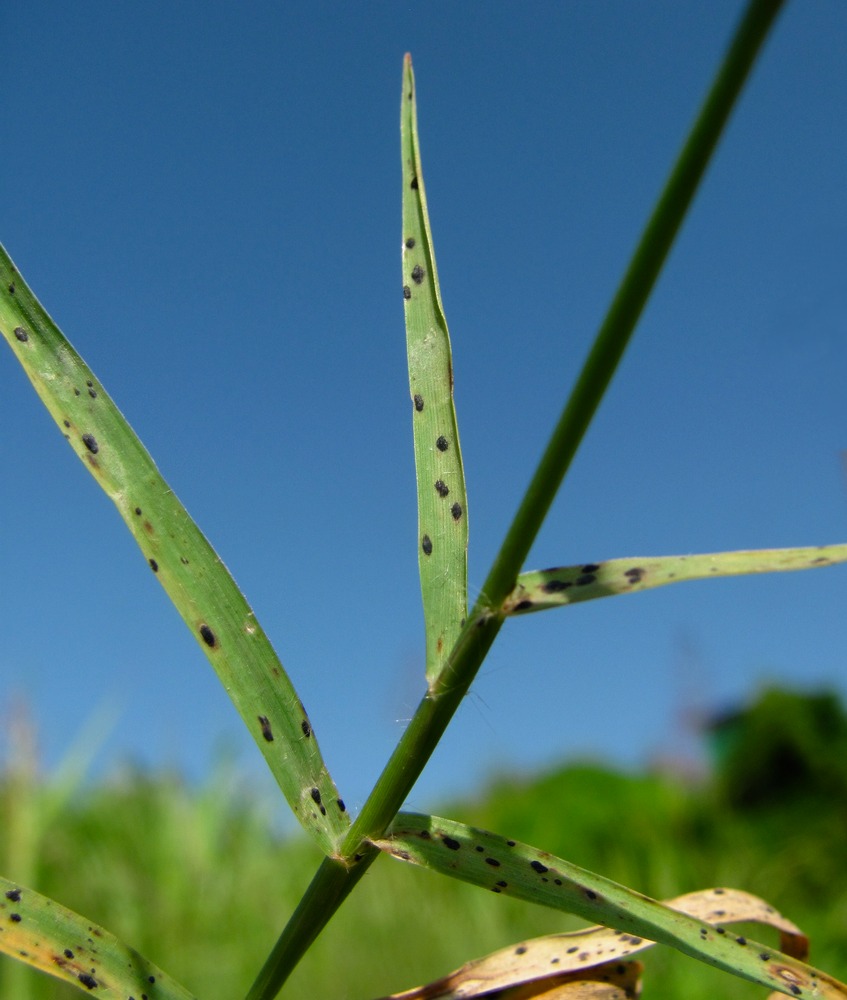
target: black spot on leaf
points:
(307, 729)
(456, 511)
(537, 866)
(554, 586)
(341, 806)
(419, 402)
(208, 635)
(442, 444)
(315, 793)
(450, 843)
(493, 862)
(88, 981)
(68, 953)
(520, 950)
(414, 184)
(590, 894)
(524, 605)
(441, 488)
(410, 243)
(418, 274)
(267, 732)
(21, 334)
(90, 443)
(590, 568)
(583, 581)
(153, 565)
(138, 511)
(636, 574)
(426, 545)
(407, 292)
(14, 895)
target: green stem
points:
(336, 877)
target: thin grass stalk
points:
(336, 877)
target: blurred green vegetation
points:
(197, 880)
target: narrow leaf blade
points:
(554, 588)
(514, 869)
(41, 933)
(442, 501)
(195, 579)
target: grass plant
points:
(458, 635)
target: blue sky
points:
(206, 197)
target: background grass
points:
(198, 880)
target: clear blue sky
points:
(207, 199)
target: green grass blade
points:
(38, 931)
(442, 503)
(514, 869)
(555, 588)
(193, 576)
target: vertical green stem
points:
(336, 877)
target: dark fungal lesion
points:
(407, 292)
(306, 728)
(426, 545)
(90, 443)
(418, 274)
(450, 843)
(442, 444)
(21, 334)
(636, 574)
(208, 636)
(585, 579)
(13, 895)
(456, 511)
(419, 402)
(441, 488)
(410, 243)
(316, 798)
(267, 732)
(153, 565)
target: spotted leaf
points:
(509, 868)
(183, 562)
(554, 588)
(41, 933)
(442, 503)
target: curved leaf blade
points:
(543, 589)
(47, 936)
(192, 574)
(511, 868)
(442, 500)
(543, 959)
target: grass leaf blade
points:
(442, 502)
(183, 561)
(554, 588)
(38, 931)
(514, 869)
